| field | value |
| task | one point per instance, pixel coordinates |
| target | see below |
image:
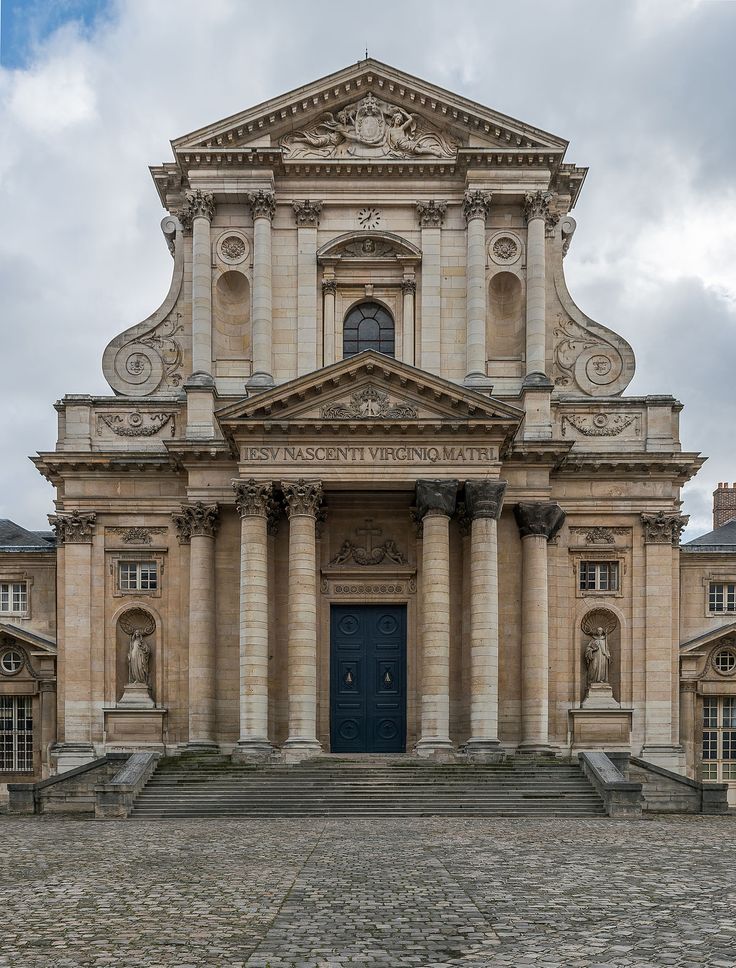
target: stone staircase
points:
(371, 786)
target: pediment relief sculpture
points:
(369, 128)
(369, 403)
(369, 246)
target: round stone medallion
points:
(233, 248)
(505, 249)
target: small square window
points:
(13, 597)
(598, 576)
(136, 576)
(722, 597)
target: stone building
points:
(369, 480)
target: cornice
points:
(680, 465)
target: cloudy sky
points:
(91, 92)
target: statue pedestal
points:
(600, 696)
(131, 727)
(605, 727)
(136, 695)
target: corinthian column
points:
(303, 499)
(483, 503)
(253, 501)
(435, 504)
(537, 524)
(536, 210)
(196, 525)
(475, 209)
(329, 289)
(263, 207)
(307, 219)
(431, 215)
(198, 214)
(408, 288)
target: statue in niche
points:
(138, 625)
(597, 656)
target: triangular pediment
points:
(707, 639)
(34, 640)
(370, 390)
(370, 110)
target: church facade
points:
(369, 480)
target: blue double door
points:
(368, 679)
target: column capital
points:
(196, 519)
(536, 205)
(307, 213)
(302, 497)
(543, 518)
(438, 496)
(484, 499)
(73, 527)
(329, 286)
(408, 285)
(198, 204)
(253, 499)
(431, 214)
(262, 204)
(663, 528)
(476, 204)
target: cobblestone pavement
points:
(421, 893)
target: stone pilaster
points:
(307, 214)
(536, 210)
(476, 205)
(197, 523)
(302, 499)
(263, 207)
(431, 216)
(435, 504)
(74, 534)
(254, 503)
(198, 214)
(483, 504)
(329, 290)
(661, 532)
(408, 289)
(537, 524)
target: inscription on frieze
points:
(399, 454)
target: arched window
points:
(368, 326)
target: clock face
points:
(369, 218)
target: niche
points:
(505, 320)
(231, 317)
(135, 681)
(605, 620)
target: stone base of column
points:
(259, 381)
(435, 748)
(204, 746)
(253, 751)
(484, 751)
(297, 749)
(478, 381)
(68, 756)
(537, 749)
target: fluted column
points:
(263, 207)
(483, 503)
(431, 215)
(303, 499)
(408, 288)
(197, 215)
(74, 535)
(435, 504)
(307, 215)
(536, 210)
(196, 525)
(329, 289)
(537, 524)
(475, 208)
(253, 501)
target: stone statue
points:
(139, 654)
(597, 657)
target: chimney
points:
(724, 504)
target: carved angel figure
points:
(138, 625)
(597, 657)
(401, 138)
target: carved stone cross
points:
(369, 531)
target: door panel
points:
(368, 679)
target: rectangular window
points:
(598, 576)
(719, 739)
(722, 597)
(16, 734)
(137, 576)
(13, 597)
(710, 713)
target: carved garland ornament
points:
(136, 424)
(600, 424)
(369, 128)
(369, 404)
(599, 534)
(136, 535)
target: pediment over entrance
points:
(370, 389)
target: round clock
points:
(369, 218)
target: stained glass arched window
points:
(368, 326)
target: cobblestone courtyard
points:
(399, 893)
